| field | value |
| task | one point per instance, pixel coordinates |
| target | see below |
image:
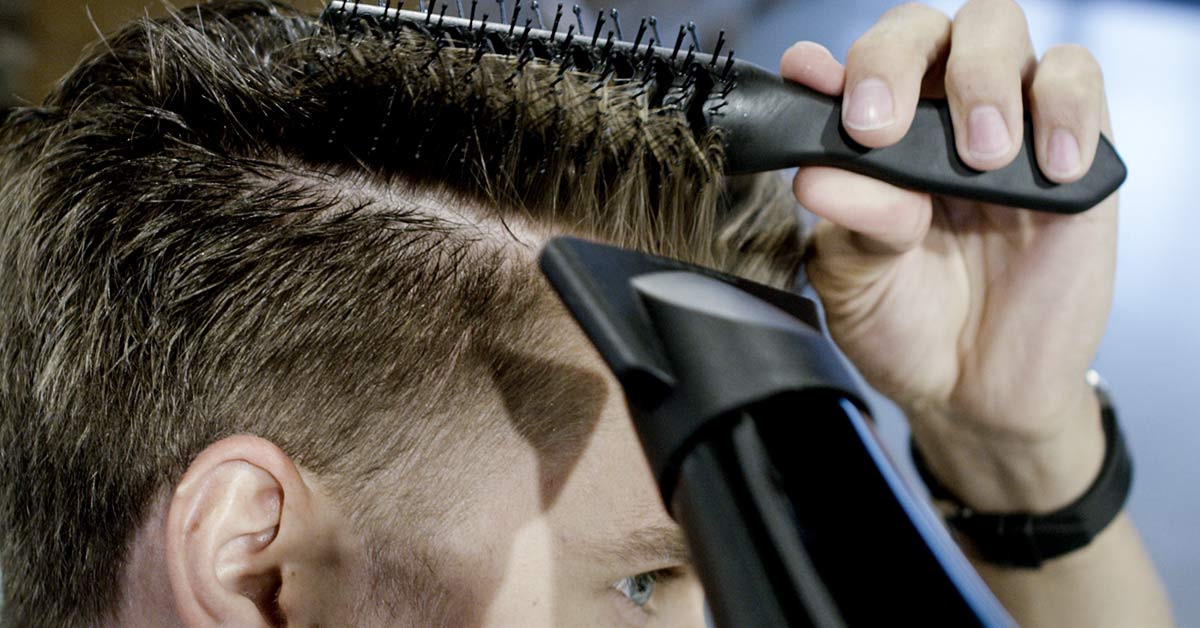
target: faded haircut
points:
(233, 221)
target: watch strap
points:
(1023, 539)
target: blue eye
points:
(638, 588)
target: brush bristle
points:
(687, 81)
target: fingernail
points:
(1063, 153)
(987, 135)
(870, 106)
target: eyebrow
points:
(652, 545)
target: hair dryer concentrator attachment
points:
(757, 438)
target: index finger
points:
(884, 71)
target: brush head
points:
(674, 75)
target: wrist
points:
(994, 471)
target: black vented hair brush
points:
(766, 122)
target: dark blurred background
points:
(41, 39)
(1150, 51)
(14, 49)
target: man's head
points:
(273, 343)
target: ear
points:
(240, 519)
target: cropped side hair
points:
(233, 221)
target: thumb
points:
(868, 225)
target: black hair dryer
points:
(762, 450)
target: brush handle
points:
(771, 123)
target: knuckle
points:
(958, 74)
(1014, 9)
(869, 51)
(861, 50)
(882, 51)
(992, 53)
(1070, 72)
(1007, 7)
(994, 21)
(903, 35)
(921, 11)
(973, 71)
(1072, 58)
(1071, 92)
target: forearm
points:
(1111, 582)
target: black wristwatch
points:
(1024, 539)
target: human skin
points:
(542, 544)
(981, 320)
(978, 320)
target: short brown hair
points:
(214, 225)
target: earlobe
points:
(224, 553)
